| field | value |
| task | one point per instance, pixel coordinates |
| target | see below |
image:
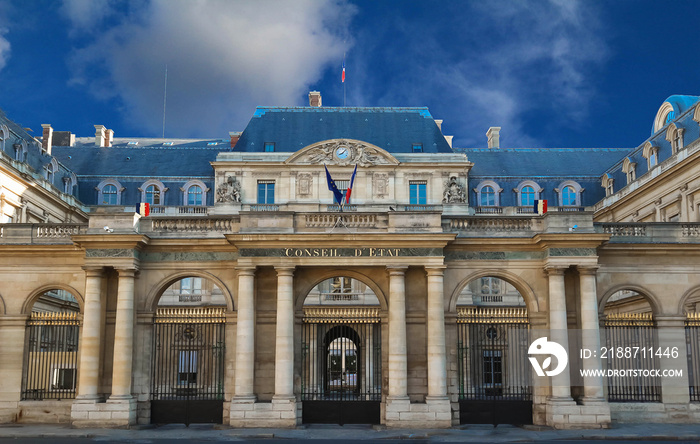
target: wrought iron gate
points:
(341, 366)
(494, 373)
(188, 366)
(51, 356)
(632, 330)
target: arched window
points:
(527, 192)
(153, 192)
(51, 170)
(194, 193)
(21, 151)
(569, 194)
(487, 194)
(674, 134)
(69, 182)
(153, 195)
(629, 168)
(607, 183)
(109, 192)
(651, 154)
(3, 137)
(109, 195)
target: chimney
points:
(100, 135)
(315, 99)
(109, 138)
(448, 139)
(47, 137)
(493, 136)
(234, 135)
(439, 124)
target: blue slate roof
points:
(542, 162)
(146, 161)
(293, 128)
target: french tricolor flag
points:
(540, 207)
(343, 78)
(349, 190)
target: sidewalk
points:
(502, 433)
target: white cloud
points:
(485, 66)
(223, 59)
(4, 48)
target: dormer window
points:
(674, 134)
(651, 154)
(607, 183)
(269, 147)
(488, 193)
(629, 168)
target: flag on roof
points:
(343, 81)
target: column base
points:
(434, 413)
(113, 413)
(564, 413)
(282, 412)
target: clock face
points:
(342, 152)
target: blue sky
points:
(557, 73)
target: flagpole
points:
(344, 96)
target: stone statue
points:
(454, 192)
(229, 191)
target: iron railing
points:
(634, 331)
(51, 356)
(692, 339)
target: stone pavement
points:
(483, 433)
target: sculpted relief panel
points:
(343, 152)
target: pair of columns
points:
(92, 338)
(245, 337)
(284, 348)
(558, 325)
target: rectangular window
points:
(187, 367)
(266, 191)
(269, 147)
(418, 192)
(417, 147)
(63, 379)
(493, 368)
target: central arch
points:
(340, 365)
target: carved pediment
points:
(342, 152)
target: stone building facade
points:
(250, 297)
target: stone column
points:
(245, 335)
(284, 349)
(123, 336)
(595, 407)
(437, 359)
(91, 339)
(671, 334)
(398, 367)
(590, 340)
(558, 327)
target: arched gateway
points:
(341, 367)
(187, 383)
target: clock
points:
(342, 152)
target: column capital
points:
(555, 270)
(438, 270)
(127, 272)
(92, 271)
(246, 271)
(584, 270)
(285, 270)
(396, 270)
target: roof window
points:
(132, 143)
(212, 143)
(168, 143)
